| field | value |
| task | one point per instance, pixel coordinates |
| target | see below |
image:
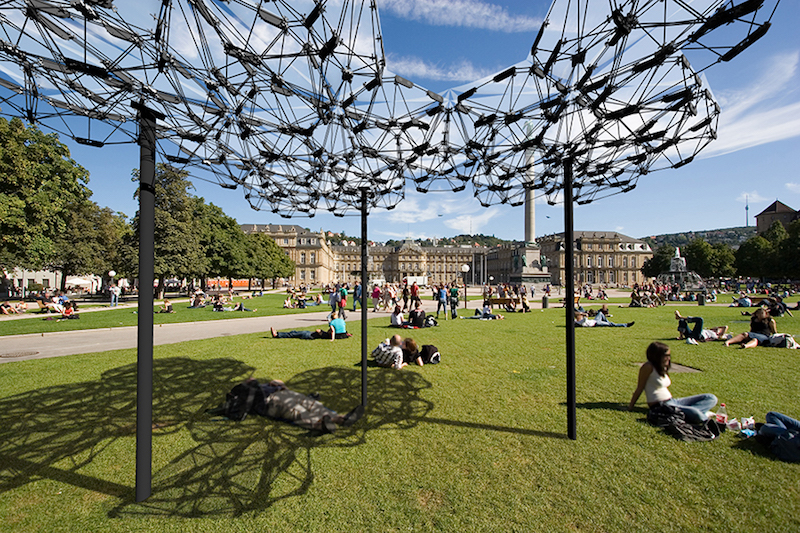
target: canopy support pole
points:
(569, 302)
(144, 361)
(364, 282)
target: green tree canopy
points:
(222, 241)
(38, 181)
(266, 259)
(659, 262)
(700, 257)
(177, 237)
(90, 241)
(753, 256)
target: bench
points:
(496, 300)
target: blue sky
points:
(444, 43)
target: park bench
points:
(496, 300)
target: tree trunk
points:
(64, 280)
(160, 290)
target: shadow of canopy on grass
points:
(227, 469)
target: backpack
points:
(243, 399)
(782, 340)
(786, 447)
(430, 354)
(430, 321)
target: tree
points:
(659, 262)
(266, 259)
(700, 257)
(752, 257)
(177, 237)
(723, 260)
(90, 242)
(38, 180)
(222, 241)
(789, 252)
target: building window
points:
(302, 258)
(302, 274)
(625, 278)
(588, 260)
(313, 274)
(611, 261)
(313, 258)
(611, 276)
(625, 265)
(633, 262)
(285, 241)
(312, 241)
(600, 261)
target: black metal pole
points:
(144, 365)
(569, 304)
(364, 282)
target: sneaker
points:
(630, 324)
(691, 341)
(727, 337)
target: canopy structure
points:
(292, 102)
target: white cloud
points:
(461, 13)
(751, 197)
(471, 224)
(414, 67)
(793, 187)
(759, 113)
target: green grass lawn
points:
(476, 443)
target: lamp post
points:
(464, 270)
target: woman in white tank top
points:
(654, 382)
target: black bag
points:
(430, 321)
(786, 447)
(430, 354)
(243, 399)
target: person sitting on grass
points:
(582, 320)
(396, 318)
(288, 303)
(762, 326)
(485, 313)
(167, 307)
(417, 316)
(197, 301)
(389, 353)
(697, 333)
(69, 312)
(742, 301)
(654, 381)
(411, 351)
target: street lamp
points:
(464, 270)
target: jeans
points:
(294, 335)
(114, 299)
(779, 424)
(695, 408)
(357, 299)
(453, 308)
(696, 332)
(442, 305)
(601, 321)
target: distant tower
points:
(746, 213)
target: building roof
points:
(276, 228)
(776, 207)
(606, 235)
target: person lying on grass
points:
(654, 381)
(697, 333)
(762, 326)
(582, 320)
(389, 353)
(278, 402)
(337, 330)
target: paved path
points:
(41, 345)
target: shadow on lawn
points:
(226, 469)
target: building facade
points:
(776, 211)
(319, 262)
(600, 257)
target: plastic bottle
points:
(722, 414)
